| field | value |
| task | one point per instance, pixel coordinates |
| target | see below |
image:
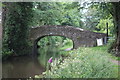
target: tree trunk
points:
(116, 45)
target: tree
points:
(95, 13)
(72, 15)
(57, 13)
(112, 9)
(47, 13)
(16, 27)
(108, 12)
(116, 15)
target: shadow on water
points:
(27, 66)
(21, 67)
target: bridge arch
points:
(79, 36)
(35, 45)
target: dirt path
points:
(115, 61)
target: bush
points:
(6, 53)
(84, 63)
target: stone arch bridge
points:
(80, 37)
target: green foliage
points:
(19, 18)
(51, 41)
(67, 43)
(55, 41)
(16, 27)
(118, 58)
(96, 15)
(84, 63)
(57, 13)
(103, 8)
(53, 46)
(6, 53)
(71, 14)
(101, 26)
(47, 13)
(91, 18)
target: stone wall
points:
(80, 37)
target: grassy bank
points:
(91, 62)
(105, 49)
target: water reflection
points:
(21, 67)
(45, 54)
(26, 66)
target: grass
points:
(118, 59)
(105, 48)
(96, 64)
(66, 46)
(100, 48)
(85, 63)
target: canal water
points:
(21, 67)
(27, 66)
